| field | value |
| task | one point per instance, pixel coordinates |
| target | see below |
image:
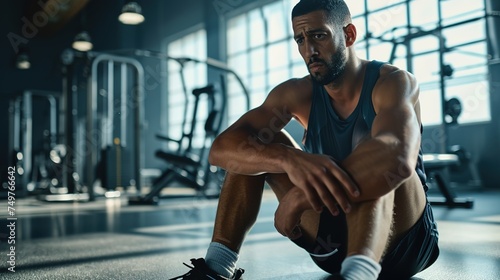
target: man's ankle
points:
(360, 267)
(221, 259)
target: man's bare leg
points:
(369, 226)
(240, 201)
(239, 205)
(376, 225)
(237, 211)
(309, 221)
(371, 223)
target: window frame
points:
(406, 58)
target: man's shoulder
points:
(297, 84)
(393, 82)
(294, 94)
(391, 71)
(295, 88)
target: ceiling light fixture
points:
(131, 14)
(82, 42)
(22, 60)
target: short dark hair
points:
(336, 10)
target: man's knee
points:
(241, 181)
(279, 183)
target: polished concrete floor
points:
(107, 239)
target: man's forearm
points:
(243, 153)
(379, 166)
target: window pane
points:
(381, 51)
(202, 109)
(380, 22)
(257, 61)
(173, 67)
(423, 12)
(376, 4)
(424, 44)
(189, 71)
(278, 76)
(356, 8)
(269, 53)
(299, 70)
(475, 101)
(360, 28)
(277, 55)
(294, 52)
(258, 97)
(465, 33)
(235, 107)
(174, 132)
(400, 63)
(177, 110)
(289, 7)
(258, 83)
(236, 34)
(468, 60)
(361, 49)
(233, 87)
(239, 63)
(174, 82)
(276, 25)
(461, 9)
(257, 28)
(430, 107)
(426, 67)
(175, 48)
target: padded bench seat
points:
(435, 165)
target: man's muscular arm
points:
(246, 148)
(383, 162)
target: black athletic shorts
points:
(416, 251)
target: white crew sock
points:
(221, 259)
(360, 267)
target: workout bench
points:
(435, 165)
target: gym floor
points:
(107, 239)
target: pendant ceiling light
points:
(131, 14)
(22, 60)
(82, 42)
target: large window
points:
(192, 45)
(261, 48)
(462, 32)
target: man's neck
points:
(347, 88)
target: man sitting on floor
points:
(359, 183)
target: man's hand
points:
(290, 209)
(323, 182)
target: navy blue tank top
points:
(329, 134)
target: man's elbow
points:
(214, 155)
(212, 158)
(397, 175)
(388, 182)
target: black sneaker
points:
(335, 276)
(200, 271)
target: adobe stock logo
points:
(30, 28)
